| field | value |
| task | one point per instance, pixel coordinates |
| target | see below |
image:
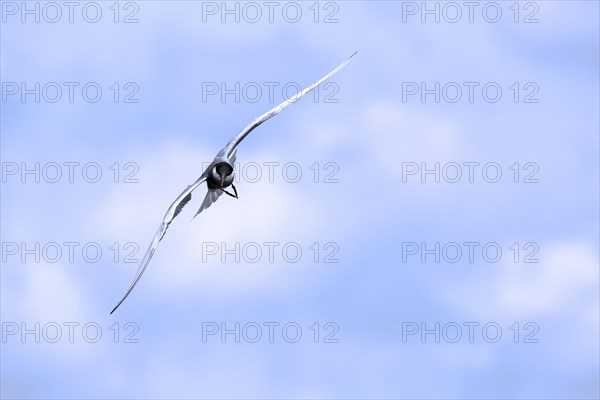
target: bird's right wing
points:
(232, 145)
(174, 210)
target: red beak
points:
(222, 179)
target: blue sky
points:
(364, 219)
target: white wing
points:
(228, 151)
(232, 145)
(174, 210)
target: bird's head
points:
(222, 174)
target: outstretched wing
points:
(232, 145)
(172, 212)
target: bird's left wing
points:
(172, 212)
(232, 145)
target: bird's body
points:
(218, 176)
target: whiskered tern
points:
(218, 176)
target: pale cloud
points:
(563, 281)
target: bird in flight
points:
(218, 176)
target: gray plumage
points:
(218, 176)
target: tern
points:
(218, 176)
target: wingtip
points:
(349, 59)
(117, 306)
